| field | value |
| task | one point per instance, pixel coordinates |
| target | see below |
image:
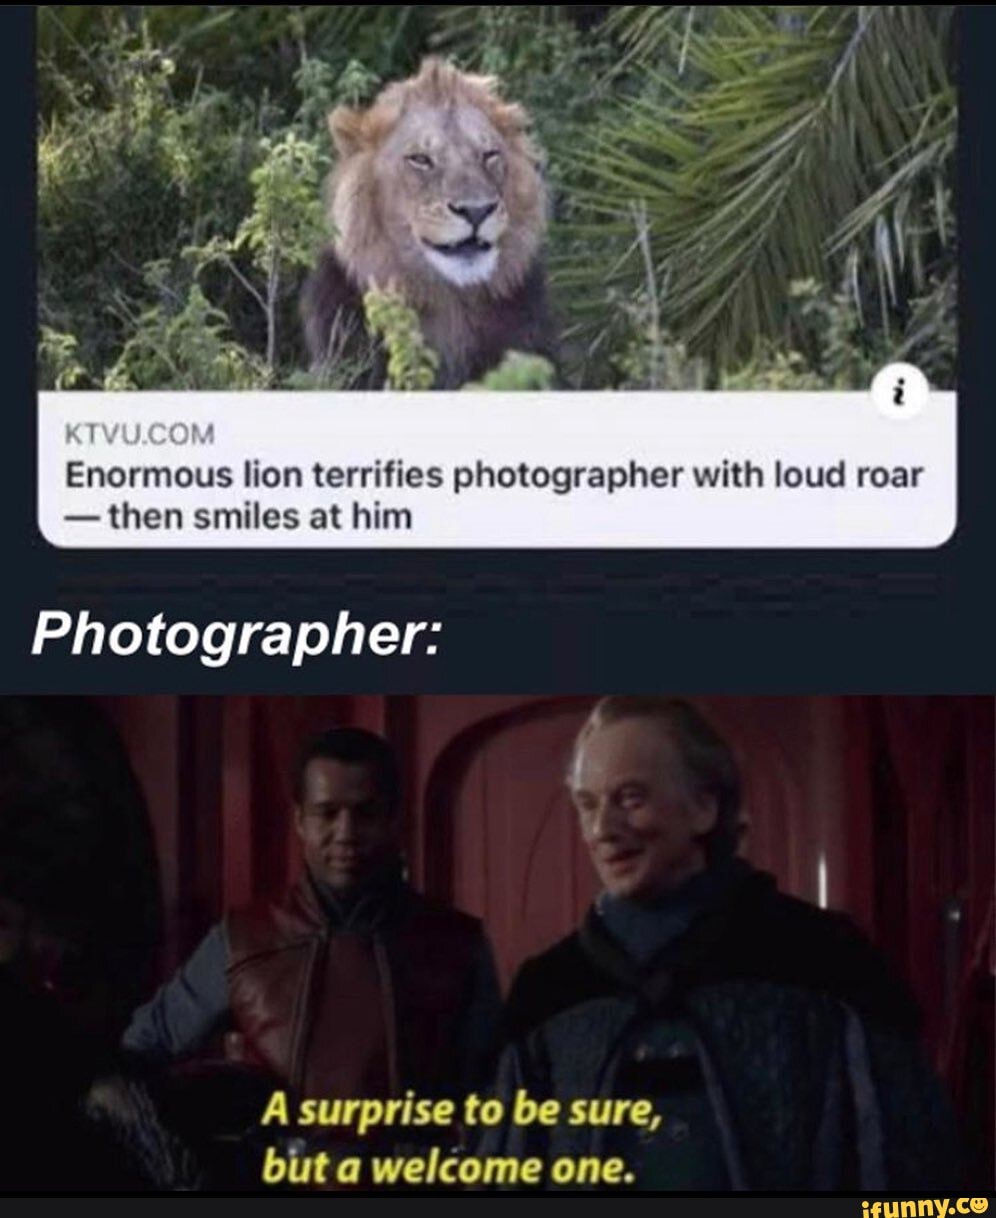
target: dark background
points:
(724, 622)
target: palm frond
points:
(795, 142)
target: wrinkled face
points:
(443, 172)
(639, 817)
(347, 831)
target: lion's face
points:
(437, 182)
(442, 175)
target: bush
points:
(697, 240)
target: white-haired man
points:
(778, 1050)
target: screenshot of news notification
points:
(867, 470)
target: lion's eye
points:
(418, 160)
(492, 157)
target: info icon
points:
(900, 391)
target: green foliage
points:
(652, 358)
(931, 337)
(286, 219)
(411, 365)
(518, 373)
(58, 361)
(703, 163)
(826, 346)
(148, 191)
(245, 51)
(115, 185)
(185, 345)
(768, 145)
(280, 234)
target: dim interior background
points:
(879, 806)
(744, 196)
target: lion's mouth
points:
(469, 248)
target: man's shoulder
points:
(553, 981)
(762, 935)
(797, 932)
(564, 958)
(797, 925)
(266, 925)
(784, 939)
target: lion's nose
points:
(474, 213)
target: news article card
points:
(549, 329)
(372, 365)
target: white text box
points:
(461, 470)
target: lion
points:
(438, 193)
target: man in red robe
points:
(352, 985)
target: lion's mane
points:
(394, 226)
